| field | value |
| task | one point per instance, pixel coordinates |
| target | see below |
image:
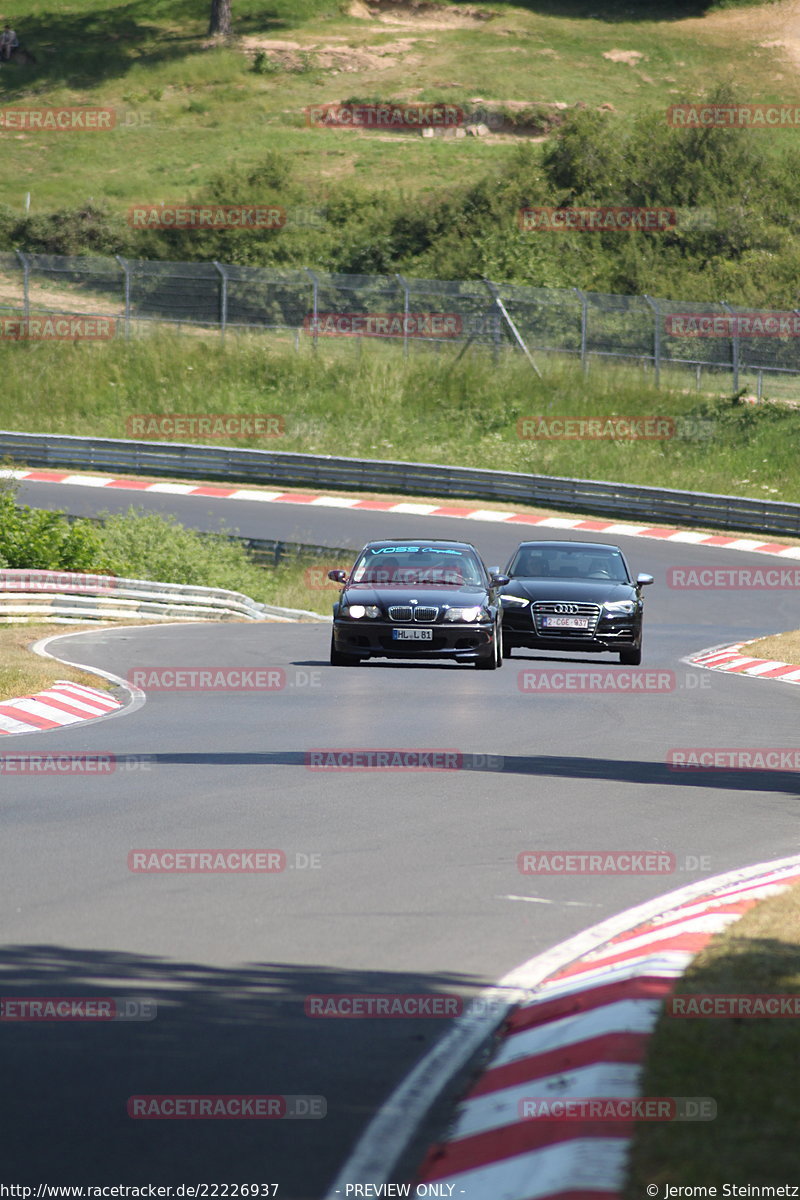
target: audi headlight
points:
(470, 615)
(619, 608)
(509, 599)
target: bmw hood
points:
(463, 596)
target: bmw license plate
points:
(412, 635)
(566, 622)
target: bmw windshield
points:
(431, 566)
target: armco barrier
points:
(65, 596)
(272, 468)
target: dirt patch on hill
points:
(631, 57)
(781, 22)
(292, 56)
(419, 14)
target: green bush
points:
(142, 545)
(47, 541)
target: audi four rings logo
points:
(566, 608)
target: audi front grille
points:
(565, 608)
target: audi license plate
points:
(412, 635)
(566, 622)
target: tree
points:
(221, 21)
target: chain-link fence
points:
(312, 306)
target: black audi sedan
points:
(573, 596)
(415, 598)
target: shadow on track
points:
(217, 1031)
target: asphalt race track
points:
(415, 888)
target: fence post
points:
(734, 346)
(584, 328)
(315, 305)
(26, 268)
(495, 294)
(223, 300)
(656, 338)
(126, 268)
(405, 288)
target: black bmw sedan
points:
(573, 596)
(418, 599)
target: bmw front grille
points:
(405, 612)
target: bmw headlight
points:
(619, 608)
(356, 611)
(470, 615)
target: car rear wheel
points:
(631, 658)
(342, 660)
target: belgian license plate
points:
(412, 635)
(566, 622)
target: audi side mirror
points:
(499, 580)
(643, 580)
(341, 576)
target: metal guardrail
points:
(65, 596)
(272, 468)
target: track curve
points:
(417, 889)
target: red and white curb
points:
(731, 659)
(580, 1013)
(583, 1035)
(62, 704)
(623, 529)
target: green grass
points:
(424, 409)
(23, 673)
(206, 106)
(745, 1064)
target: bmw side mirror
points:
(643, 580)
(341, 576)
(500, 580)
